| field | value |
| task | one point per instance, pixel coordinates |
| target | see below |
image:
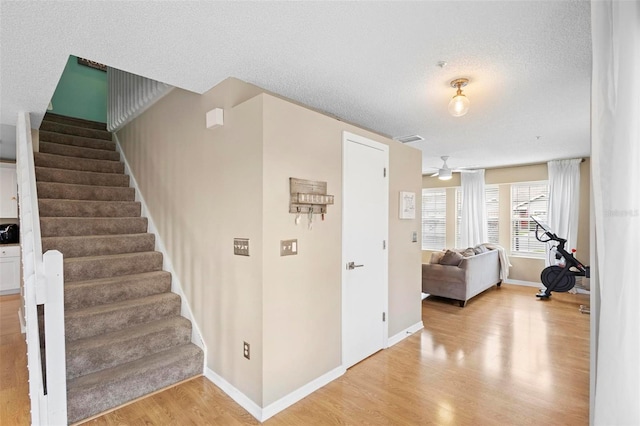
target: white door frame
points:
(348, 137)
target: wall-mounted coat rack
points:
(308, 196)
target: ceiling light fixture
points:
(459, 104)
(445, 174)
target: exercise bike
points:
(558, 278)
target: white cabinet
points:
(9, 269)
(8, 191)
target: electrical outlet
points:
(246, 350)
(241, 246)
(288, 247)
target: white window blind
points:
(528, 199)
(491, 194)
(434, 219)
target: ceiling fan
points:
(445, 172)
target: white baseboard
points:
(295, 396)
(262, 414)
(524, 283)
(540, 285)
(244, 401)
(404, 333)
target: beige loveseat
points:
(471, 276)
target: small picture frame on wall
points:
(407, 205)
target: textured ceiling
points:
(370, 63)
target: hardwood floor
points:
(505, 359)
(14, 379)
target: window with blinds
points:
(492, 202)
(528, 199)
(434, 218)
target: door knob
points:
(352, 265)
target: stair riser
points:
(65, 191)
(61, 138)
(89, 268)
(108, 351)
(56, 118)
(87, 324)
(83, 164)
(78, 152)
(88, 399)
(63, 208)
(46, 174)
(99, 246)
(62, 226)
(117, 289)
(67, 129)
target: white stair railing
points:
(43, 285)
(129, 95)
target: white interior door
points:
(365, 201)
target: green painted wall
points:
(81, 92)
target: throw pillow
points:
(451, 258)
(468, 252)
(480, 248)
(436, 256)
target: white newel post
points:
(55, 341)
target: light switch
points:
(241, 246)
(288, 247)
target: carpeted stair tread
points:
(69, 129)
(71, 191)
(82, 208)
(84, 294)
(101, 319)
(43, 159)
(49, 174)
(61, 138)
(78, 151)
(85, 356)
(94, 393)
(57, 118)
(97, 245)
(90, 267)
(74, 226)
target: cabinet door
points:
(9, 275)
(8, 191)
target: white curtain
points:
(473, 228)
(564, 199)
(615, 150)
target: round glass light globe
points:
(459, 105)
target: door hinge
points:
(384, 244)
(384, 316)
(384, 172)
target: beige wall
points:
(204, 187)
(523, 268)
(302, 143)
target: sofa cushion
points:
(451, 258)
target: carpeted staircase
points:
(124, 334)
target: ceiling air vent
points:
(410, 138)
